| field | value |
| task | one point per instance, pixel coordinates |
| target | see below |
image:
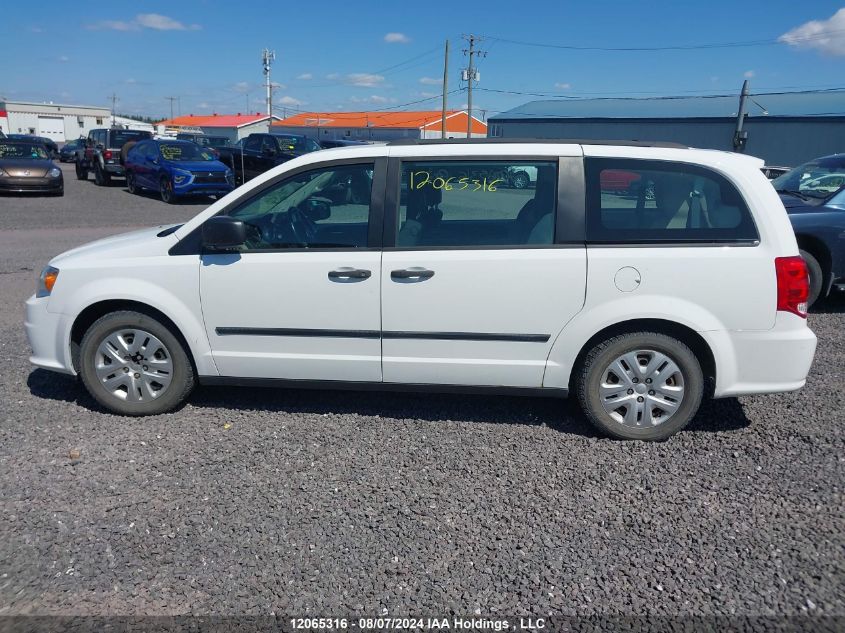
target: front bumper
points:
(763, 361)
(49, 337)
(193, 188)
(32, 185)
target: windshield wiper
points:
(791, 192)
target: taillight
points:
(793, 284)
(107, 155)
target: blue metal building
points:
(783, 128)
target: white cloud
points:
(748, 74)
(63, 58)
(242, 87)
(397, 38)
(333, 76)
(373, 99)
(154, 21)
(289, 101)
(365, 80)
(826, 36)
(563, 86)
(429, 95)
(277, 86)
(160, 22)
(306, 76)
(36, 29)
(203, 106)
(112, 25)
(430, 81)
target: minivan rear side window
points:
(645, 201)
(447, 203)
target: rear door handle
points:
(349, 273)
(411, 273)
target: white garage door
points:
(51, 127)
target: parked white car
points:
(406, 266)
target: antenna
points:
(267, 59)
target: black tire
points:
(101, 178)
(816, 276)
(520, 180)
(590, 373)
(81, 172)
(176, 392)
(165, 190)
(131, 185)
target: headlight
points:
(55, 172)
(180, 176)
(46, 281)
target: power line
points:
(658, 98)
(340, 115)
(679, 47)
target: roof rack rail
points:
(556, 141)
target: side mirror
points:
(318, 209)
(222, 233)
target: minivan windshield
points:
(818, 178)
(184, 151)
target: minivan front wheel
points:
(134, 365)
(643, 385)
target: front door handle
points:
(411, 273)
(349, 273)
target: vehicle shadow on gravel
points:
(188, 201)
(834, 304)
(562, 415)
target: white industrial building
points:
(58, 122)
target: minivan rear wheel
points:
(643, 385)
(133, 364)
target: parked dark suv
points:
(814, 197)
(102, 153)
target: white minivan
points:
(642, 277)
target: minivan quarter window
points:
(475, 203)
(641, 201)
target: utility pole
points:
(171, 100)
(267, 59)
(470, 74)
(741, 136)
(445, 90)
(113, 102)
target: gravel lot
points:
(329, 504)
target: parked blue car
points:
(814, 197)
(176, 168)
